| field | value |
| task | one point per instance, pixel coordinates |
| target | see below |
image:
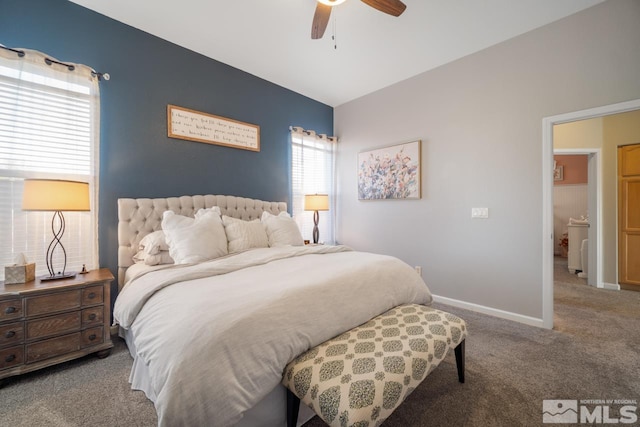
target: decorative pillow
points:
(282, 230)
(194, 239)
(162, 257)
(153, 243)
(243, 235)
(214, 209)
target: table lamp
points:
(57, 196)
(316, 203)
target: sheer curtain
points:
(49, 128)
(313, 171)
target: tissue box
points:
(19, 273)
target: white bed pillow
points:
(214, 209)
(282, 230)
(153, 243)
(243, 235)
(194, 239)
(162, 257)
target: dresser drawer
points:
(92, 336)
(52, 347)
(12, 356)
(11, 334)
(60, 301)
(92, 295)
(53, 325)
(92, 315)
(10, 309)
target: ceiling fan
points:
(323, 12)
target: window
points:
(49, 126)
(312, 171)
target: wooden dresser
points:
(45, 323)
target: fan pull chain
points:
(333, 37)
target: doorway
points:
(548, 238)
(576, 211)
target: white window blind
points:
(312, 171)
(49, 125)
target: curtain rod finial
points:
(100, 76)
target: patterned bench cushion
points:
(360, 377)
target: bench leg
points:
(293, 405)
(459, 350)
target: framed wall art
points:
(558, 173)
(183, 123)
(392, 172)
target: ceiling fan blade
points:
(320, 20)
(391, 7)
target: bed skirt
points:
(269, 412)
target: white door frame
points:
(547, 194)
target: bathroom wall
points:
(574, 167)
(569, 194)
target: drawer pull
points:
(10, 334)
(92, 295)
(10, 358)
(92, 337)
(10, 310)
(92, 316)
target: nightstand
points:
(46, 323)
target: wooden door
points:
(629, 216)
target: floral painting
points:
(390, 172)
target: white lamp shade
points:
(55, 195)
(316, 202)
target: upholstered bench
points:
(361, 376)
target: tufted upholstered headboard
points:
(139, 217)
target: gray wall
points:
(137, 159)
(480, 122)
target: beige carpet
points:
(593, 353)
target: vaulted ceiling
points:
(363, 50)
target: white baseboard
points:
(490, 311)
(612, 286)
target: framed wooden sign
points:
(183, 123)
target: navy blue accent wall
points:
(137, 159)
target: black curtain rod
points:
(306, 132)
(50, 61)
(19, 52)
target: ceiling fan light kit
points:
(323, 12)
(331, 2)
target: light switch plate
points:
(482, 213)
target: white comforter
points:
(216, 336)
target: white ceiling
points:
(271, 39)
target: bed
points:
(210, 338)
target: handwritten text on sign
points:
(202, 127)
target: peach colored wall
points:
(574, 168)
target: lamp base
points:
(58, 276)
(316, 232)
